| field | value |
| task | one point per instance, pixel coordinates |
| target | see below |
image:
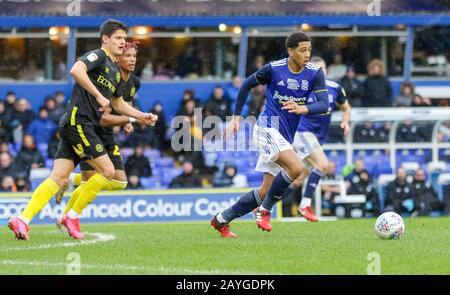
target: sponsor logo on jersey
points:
(281, 83)
(283, 98)
(103, 81)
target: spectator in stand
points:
(147, 72)
(138, 163)
(218, 105)
(188, 63)
(376, 89)
(329, 192)
(60, 99)
(10, 102)
(5, 135)
(365, 133)
(359, 182)
(399, 197)
(188, 179)
(8, 185)
(187, 109)
(409, 132)
(419, 101)
(142, 135)
(53, 144)
(258, 62)
(406, 95)
(134, 183)
(8, 166)
(160, 128)
(444, 132)
(32, 72)
(42, 128)
(22, 183)
(4, 148)
(119, 136)
(29, 156)
(425, 197)
(337, 69)
(53, 112)
(163, 72)
(229, 177)
(188, 96)
(232, 90)
(352, 87)
(258, 100)
(20, 119)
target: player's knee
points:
(118, 185)
(263, 192)
(295, 172)
(323, 166)
(60, 180)
(108, 171)
(297, 183)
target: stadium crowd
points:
(29, 140)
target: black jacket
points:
(376, 92)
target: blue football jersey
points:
(320, 124)
(284, 85)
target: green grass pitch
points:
(341, 247)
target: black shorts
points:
(113, 153)
(79, 142)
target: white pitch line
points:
(121, 267)
(99, 237)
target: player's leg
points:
(316, 158)
(41, 196)
(118, 182)
(75, 179)
(104, 173)
(244, 205)
(87, 144)
(292, 168)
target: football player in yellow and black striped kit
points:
(98, 86)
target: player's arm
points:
(345, 108)
(262, 76)
(79, 73)
(321, 94)
(125, 109)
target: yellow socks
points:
(92, 187)
(74, 197)
(75, 178)
(115, 185)
(43, 193)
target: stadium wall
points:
(134, 206)
(168, 92)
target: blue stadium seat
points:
(151, 182)
(49, 163)
(165, 162)
(152, 154)
(43, 148)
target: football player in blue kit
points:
(311, 133)
(289, 82)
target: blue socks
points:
(277, 190)
(313, 180)
(244, 205)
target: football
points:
(389, 225)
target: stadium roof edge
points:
(244, 21)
